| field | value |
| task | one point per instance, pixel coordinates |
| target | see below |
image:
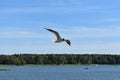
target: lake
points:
(101, 72)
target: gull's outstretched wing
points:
(68, 42)
(54, 32)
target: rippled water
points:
(102, 72)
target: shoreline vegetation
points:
(5, 69)
(59, 59)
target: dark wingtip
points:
(45, 28)
(69, 44)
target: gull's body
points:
(59, 39)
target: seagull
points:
(59, 39)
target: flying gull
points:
(59, 39)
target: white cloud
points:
(105, 20)
(114, 45)
(20, 34)
(73, 32)
(92, 32)
(53, 9)
(113, 48)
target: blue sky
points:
(93, 26)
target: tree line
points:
(59, 59)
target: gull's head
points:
(63, 39)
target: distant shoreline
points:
(59, 59)
(62, 65)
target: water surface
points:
(102, 72)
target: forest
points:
(59, 59)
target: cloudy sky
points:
(93, 26)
